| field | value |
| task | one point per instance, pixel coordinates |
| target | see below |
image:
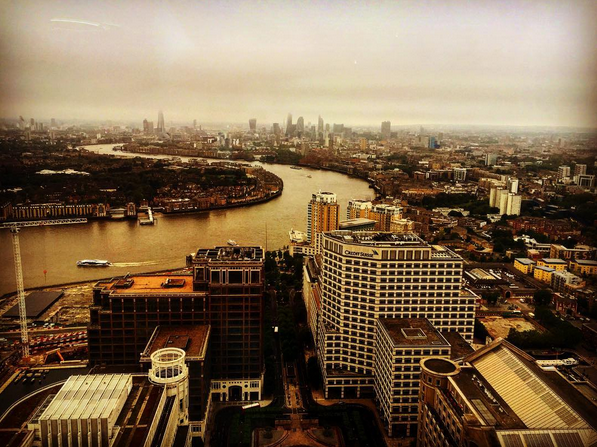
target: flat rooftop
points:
(525, 261)
(231, 253)
(460, 347)
(413, 332)
(136, 284)
(584, 262)
(358, 222)
(88, 397)
(36, 303)
(553, 261)
(191, 339)
(377, 238)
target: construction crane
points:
(14, 228)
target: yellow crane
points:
(14, 228)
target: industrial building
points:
(500, 396)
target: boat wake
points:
(135, 264)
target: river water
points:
(133, 248)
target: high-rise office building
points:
(320, 128)
(147, 127)
(161, 123)
(500, 396)
(338, 128)
(367, 276)
(53, 123)
(322, 214)
(253, 124)
(224, 291)
(386, 130)
(276, 129)
(300, 125)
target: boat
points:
(231, 242)
(295, 167)
(93, 263)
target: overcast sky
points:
(467, 62)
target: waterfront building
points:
(366, 276)
(383, 215)
(358, 209)
(322, 214)
(53, 210)
(500, 396)
(386, 130)
(224, 291)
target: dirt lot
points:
(72, 307)
(500, 327)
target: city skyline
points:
(524, 64)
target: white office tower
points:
(502, 201)
(514, 204)
(168, 368)
(513, 185)
(371, 275)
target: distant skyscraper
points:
(490, 159)
(386, 130)
(53, 123)
(300, 125)
(161, 125)
(276, 129)
(147, 127)
(253, 125)
(338, 128)
(320, 126)
(322, 214)
(194, 124)
(289, 124)
(32, 123)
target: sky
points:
(523, 63)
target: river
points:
(133, 248)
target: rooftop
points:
(412, 331)
(584, 262)
(357, 222)
(36, 303)
(525, 261)
(545, 269)
(136, 284)
(554, 261)
(232, 253)
(191, 339)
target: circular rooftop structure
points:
(168, 366)
(440, 366)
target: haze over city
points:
(490, 63)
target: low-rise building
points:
(525, 265)
(583, 267)
(543, 273)
(565, 304)
(558, 265)
(566, 282)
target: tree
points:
(542, 297)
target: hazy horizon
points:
(506, 64)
